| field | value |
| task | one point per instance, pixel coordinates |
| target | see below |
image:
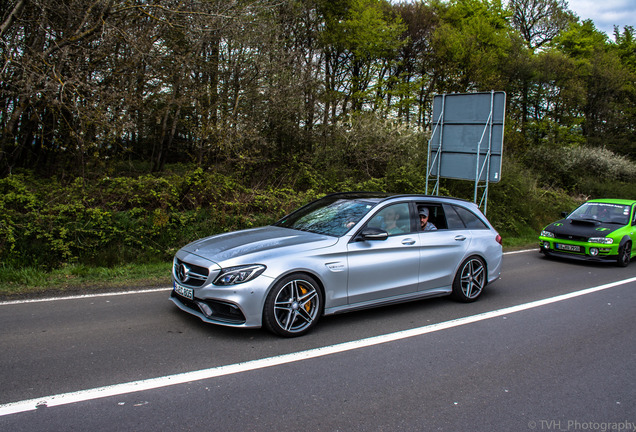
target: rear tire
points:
(470, 280)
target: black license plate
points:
(567, 247)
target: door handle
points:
(408, 242)
(460, 238)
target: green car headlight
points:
(547, 234)
(601, 240)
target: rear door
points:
(443, 249)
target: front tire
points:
(470, 280)
(293, 306)
(624, 254)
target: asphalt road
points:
(565, 364)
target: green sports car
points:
(599, 230)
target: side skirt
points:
(438, 292)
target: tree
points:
(607, 83)
(41, 88)
(84, 82)
(540, 21)
(472, 45)
(624, 128)
(360, 37)
(416, 71)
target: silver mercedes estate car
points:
(344, 252)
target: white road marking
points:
(522, 251)
(154, 383)
(83, 296)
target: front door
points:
(385, 268)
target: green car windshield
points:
(602, 212)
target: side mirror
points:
(372, 234)
(565, 214)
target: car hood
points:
(582, 228)
(270, 239)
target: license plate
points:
(566, 247)
(183, 291)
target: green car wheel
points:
(624, 254)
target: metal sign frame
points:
(467, 140)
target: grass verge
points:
(527, 239)
(79, 279)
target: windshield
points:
(329, 216)
(602, 212)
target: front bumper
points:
(233, 306)
(578, 250)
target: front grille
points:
(571, 237)
(190, 274)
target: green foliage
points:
(581, 40)
(626, 46)
(368, 146)
(123, 193)
(572, 167)
(78, 227)
(113, 221)
(406, 179)
(473, 44)
(368, 32)
(516, 204)
(593, 188)
(16, 200)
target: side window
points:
(470, 219)
(435, 220)
(453, 219)
(393, 219)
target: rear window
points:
(453, 219)
(470, 219)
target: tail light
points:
(499, 240)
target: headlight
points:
(547, 234)
(601, 240)
(238, 275)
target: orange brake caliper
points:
(304, 291)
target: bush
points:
(368, 146)
(516, 203)
(574, 168)
(110, 220)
